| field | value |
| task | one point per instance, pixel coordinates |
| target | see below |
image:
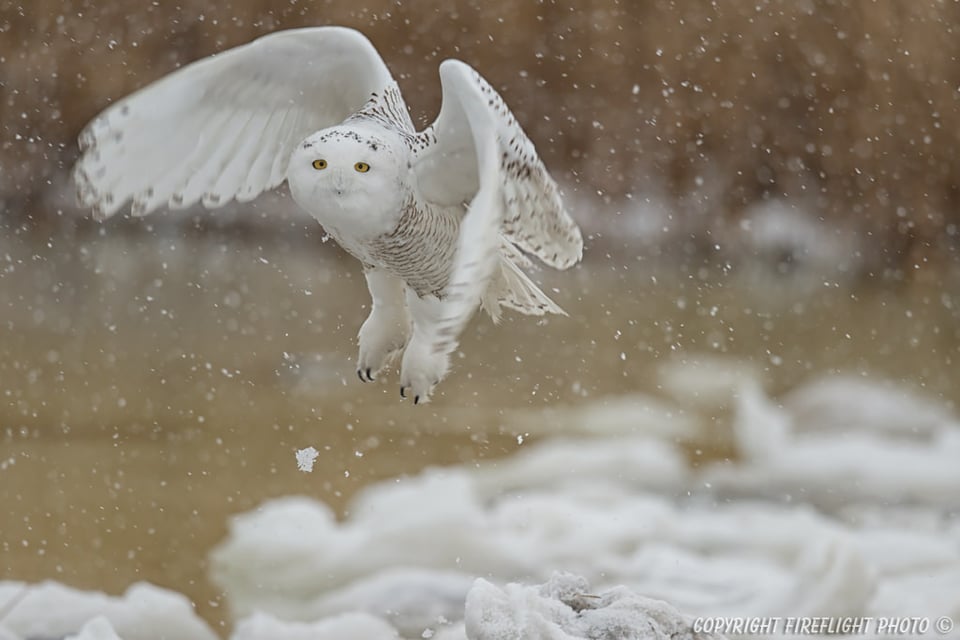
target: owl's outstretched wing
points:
(224, 127)
(478, 252)
(448, 159)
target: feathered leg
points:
(387, 328)
(424, 364)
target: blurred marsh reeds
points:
(849, 109)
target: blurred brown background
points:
(848, 109)
(155, 380)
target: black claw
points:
(416, 400)
(369, 375)
(403, 392)
(360, 375)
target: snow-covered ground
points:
(843, 499)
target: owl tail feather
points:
(513, 289)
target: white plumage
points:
(440, 219)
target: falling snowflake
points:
(306, 458)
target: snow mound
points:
(564, 608)
(293, 558)
(98, 628)
(855, 463)
(857, 521)
(412, 566)
(261, 626)
(395, 557)
(634, 413)
(561, 463)
(825, 510)
(843, 404)
(144, 612)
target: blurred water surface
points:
(155, 381)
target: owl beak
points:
(339, 181)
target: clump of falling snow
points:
(306, 458)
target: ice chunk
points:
(144, 612)
(97, 629)
(638, 462)
(629, 511)
(262, 626)
(833, 469)
(412, 600)
(844, 404)
(634, 414)
(565, 608)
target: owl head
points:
(344, 164)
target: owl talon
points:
(403, 392)
(360, 375)
(422, 367)
(381, 337)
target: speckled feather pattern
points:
(535, 218)
(388, 109)
(422, 247)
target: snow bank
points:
(286, 556)
(636, 414)
(98, 628)
(845, 404)
(261, 626)
(790, 455)
(144, 612)
(746, 559)
(562, 463)
(826, 510)
(629, 511)
(565, 608)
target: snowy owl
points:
(442, 220)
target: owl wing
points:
(224, 127)
(452, 150)
(478, 253)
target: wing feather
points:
(166, 181)
(478, 253)
(286, 141)
(216, 149)
(237, 168)
(224, 127)
(258, 177)
(157, 161)
(204, 160)
(447, 167)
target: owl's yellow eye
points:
(362, 167)
(319, 164)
